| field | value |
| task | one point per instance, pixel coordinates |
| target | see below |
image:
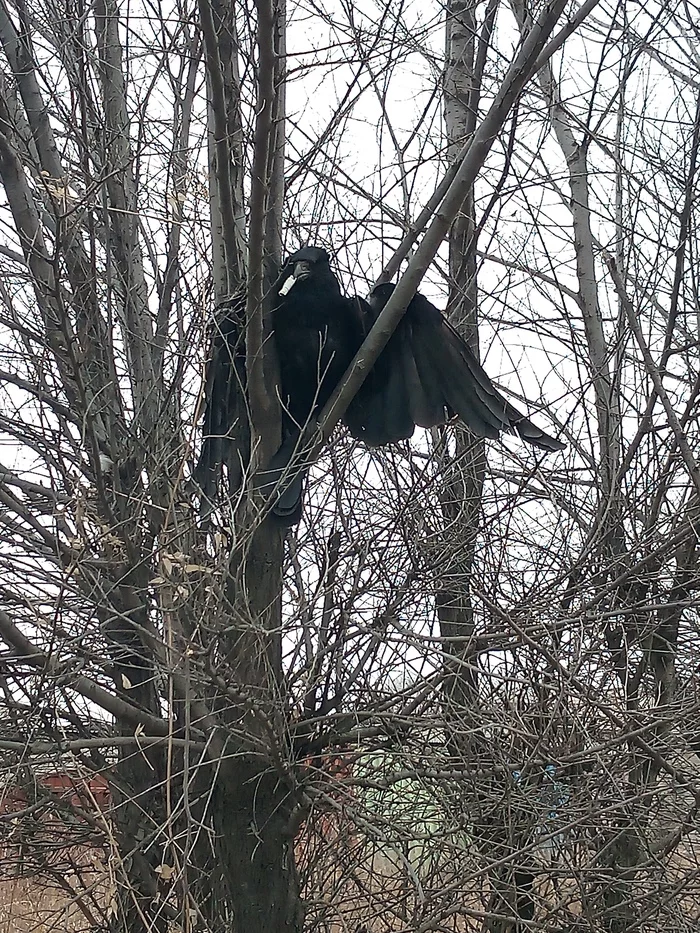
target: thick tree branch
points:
(224, 108)
(123, 239)
(262, 401)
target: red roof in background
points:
(83, 792)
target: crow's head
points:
(311, 262)
(380, 294)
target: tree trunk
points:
(251, 802)
(462, 489)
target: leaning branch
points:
(519, 73)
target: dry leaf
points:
(166, 872)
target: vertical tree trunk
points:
(252, 860)
(464, 472)
(463, 480)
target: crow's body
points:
(317, 332)
(425, 375)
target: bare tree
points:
(462, 693)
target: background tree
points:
(462, 694)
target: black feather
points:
(444, 360)
(225, 431)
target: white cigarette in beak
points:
(286, 287)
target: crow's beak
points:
(302, 270)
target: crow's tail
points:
(277, 479)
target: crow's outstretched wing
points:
(467, 389)
(225, 427)
(427, 373)
(396, 395)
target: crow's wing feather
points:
(426, 401)
(394, 399)
(529, 432)
(382, 410)
(379, 413)
(468, 389)
(364, 416)
(442, 376)
(438, 409)
(515, 419)
(442, 363)
(225, 419)
(462, 374)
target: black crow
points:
(425, 375)
(317, 332)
